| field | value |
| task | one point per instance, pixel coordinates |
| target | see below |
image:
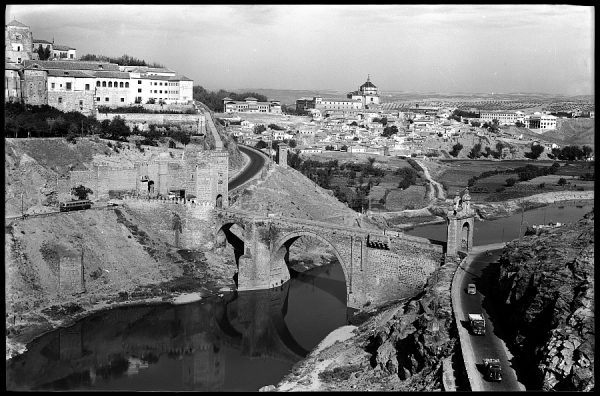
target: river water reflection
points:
(237, 342)
(507, 228)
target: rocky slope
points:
(546, 289)
(401, 347)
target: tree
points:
(258, 129)
(389, 131)
(562, 181)
(510, 181)
(587, 151)
(81, 192)
(536, 151)
(261, 144)
(181, 136)
(475, 151)
(292, 143)
(456, 149)
(520, 124)
(276, 127)
(344, 148)
(328, 148)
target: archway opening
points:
(230, 244)
(219, 202)
(464, 236)
(317, 285)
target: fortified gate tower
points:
(461, 224)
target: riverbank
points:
(434, 213)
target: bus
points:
(75, 205)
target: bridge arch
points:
(224, 235)
(280, 250)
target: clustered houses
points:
(72, 85)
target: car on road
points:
(111, 203)
(493, 370)
(477, 324)
(471, 289)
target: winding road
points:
(253, 168)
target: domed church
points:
(367, 93)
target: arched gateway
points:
(461, 224)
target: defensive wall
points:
(377, 266)
(195, 123)
(180, 222)
(199, 175)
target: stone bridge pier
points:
(377, 267)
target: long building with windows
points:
(251, 105)
(83, 86)
(65, 83)
(503, 117)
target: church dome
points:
(368, 84)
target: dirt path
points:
(439, 190)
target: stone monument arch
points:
(461, 225)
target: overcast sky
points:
(413, 48)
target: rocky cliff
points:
(546, 289)
(401, 347)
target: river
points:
(234, 342)
(507, 228)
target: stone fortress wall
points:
(195, 123)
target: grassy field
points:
(411, 198)
(456, 174)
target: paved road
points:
(257, 162)
(477, 270)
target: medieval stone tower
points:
(282, 151)
(461, 224)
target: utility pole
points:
(521, 225)
(82, 269)
(22, 214)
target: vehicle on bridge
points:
(477, 323)
(471, 289)
(75, 205)
(493, 370)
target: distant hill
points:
(575, 131)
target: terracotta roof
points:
(11, 66)
(70, 73)
(16, 23)
(72, 65)
(59, 47)
(111, 74)
(40, 41)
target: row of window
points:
(110, 84)
(171, 84)
(160, 91)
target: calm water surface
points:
(237, 342)
(507, 228)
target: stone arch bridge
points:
(378, 266)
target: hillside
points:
(399, 347)
(576, 131)
(546, 291)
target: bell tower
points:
(461, 225)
